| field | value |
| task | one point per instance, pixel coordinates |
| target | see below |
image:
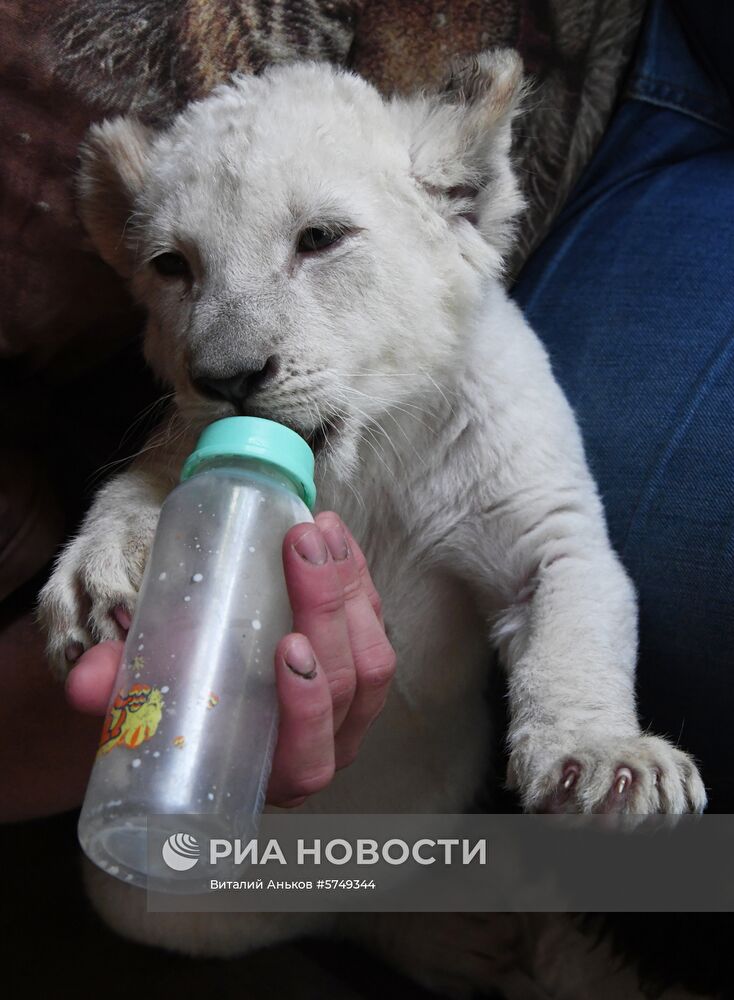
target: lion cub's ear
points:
(460, 139)
(114, 166)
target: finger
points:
(364, 574)
(373, 656)
(303, 762)
(317, 601)
(89, 684)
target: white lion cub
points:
(311, 252)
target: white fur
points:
(457, 461)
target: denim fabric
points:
(633, 295)
(667, 73)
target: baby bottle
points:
(192, 720)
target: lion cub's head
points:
(305, 249)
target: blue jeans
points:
(633, 294)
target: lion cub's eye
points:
(318, 238)
(171, 265)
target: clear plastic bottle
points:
(192, 719)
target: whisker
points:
(440, 390)
(403, 405)
(372, 442)
(146, 412)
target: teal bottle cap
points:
(252, 437)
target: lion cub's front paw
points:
(94, 586)
(638, 775)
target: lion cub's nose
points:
(236, 389)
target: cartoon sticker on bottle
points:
(132, 718)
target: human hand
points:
(333, 671)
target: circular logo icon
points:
(181, 852)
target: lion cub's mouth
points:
(325, 432)
(317, 437)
